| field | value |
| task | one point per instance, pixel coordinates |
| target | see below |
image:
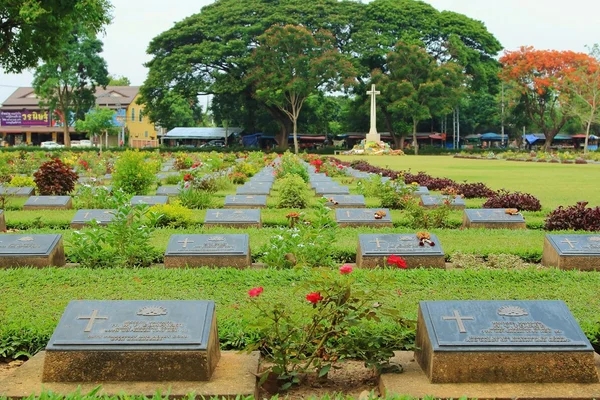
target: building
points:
(22, 121)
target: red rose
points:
(397, 261)
(314, 297)
(187, 177)
(345, 269)
(254, 292)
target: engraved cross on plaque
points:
(217, 214)
(348, 214)
(92, 318)
(479, 214)
(185, 242)
(570, 242)
(87, 214)
(459, 321)
(376, 241)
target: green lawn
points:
(552, 184)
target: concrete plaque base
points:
(586, 260)
(416, 261)
(32, 251)
(234, 375)
(414, 383)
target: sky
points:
(544, 24)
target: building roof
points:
(111, 97)
(200, 133)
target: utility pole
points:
(502, 117)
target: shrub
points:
(246, 168)
(521, 201)
(293, 192)
(173, 215)
(396, 196)
(172, 179)
(291, 165)
(576, 217)
(474, 190)
(183, 161)
(21, 181)
(239, 178)
(55, 178)
(421, 218)
(93, 197)
(196, 199)
(133, 173)
(124, 242)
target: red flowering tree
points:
(540, 78)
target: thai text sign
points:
(25, 117)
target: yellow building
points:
(24, 103)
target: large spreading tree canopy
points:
(31, 30)
(211, 52)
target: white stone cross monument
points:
(373, 136)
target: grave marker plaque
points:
(420, 191)
(31, 250)
(218, 250)
(330, 190)
(168, 191)
(352, 217)
(240, 218)
(492, 218)
(429, 201)
(314, 185)
(253, 190)
(248, 201)
(345, 201)
(134, 340)
(16, 191)
(149, 200)
(502, 341)
(374, 249)
(572, 252)
(48, 203)
(165, 175)
(83, 217)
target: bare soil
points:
(7, 366)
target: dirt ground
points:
(352, 379)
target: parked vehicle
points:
(214, 143)
(51, 145)
(81, 143)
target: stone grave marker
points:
(319, 178)
(502, 342)
(249, 201)
(345, 201)
(429, 201)
(149, 200)
(39, 250)
(374, 249)
(16, 191)
(421, 191)
(48, 203)
(262, 178)
(108, 176)
(369, 217)
(317, 184)
(255, 190)
(2, 221)
(572, 252)
(168, 191)
(133, 340)
(331, 189)
(240, 218)
(83, 217)
(218, 250)
(165, 175)
(492, 218)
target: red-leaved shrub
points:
(474, 190)
(55, 178)
(576, 217)
(521, 201)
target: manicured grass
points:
(552, 184)
(33, 299)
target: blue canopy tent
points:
(492, 137)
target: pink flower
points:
(397, 261)
(345, 269)
(254, 292)
(314, 297)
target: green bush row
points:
(33, 300)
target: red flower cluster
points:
(196, 165)
(314, 297)
(317, 164)
(345, 269)
(254, 292)
(187, 177)
(397, 261)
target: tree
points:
(31, 30)
(97, 121)
(417, 87)
(583, 92)
(291, 63)
(117, 80)
(67, 82)
(540, 77)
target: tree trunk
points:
(587, 135)
(415, 144)
(549, 137)
(66, 133)
(285, 125)
(295, 122)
